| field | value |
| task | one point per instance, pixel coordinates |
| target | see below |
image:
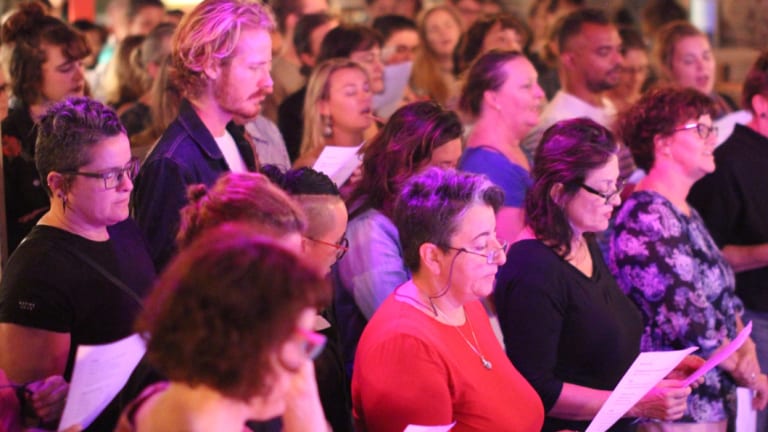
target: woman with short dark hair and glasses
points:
(79, 275)
(567, 326)
(666, 261)
(429, 356)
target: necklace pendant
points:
(486, 363)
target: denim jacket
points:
(185, 155)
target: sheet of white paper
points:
(338, 163)
(647, 370)
(395, 81)
(746, 416)
(100, 372)
(721, 355)
(442, 428)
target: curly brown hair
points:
(224, 307)
(23, 35)
(659, 112)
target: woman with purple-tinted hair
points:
(429, 356)
(567, 326)
(503, 96)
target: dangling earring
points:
(327, 126)
(63, 203)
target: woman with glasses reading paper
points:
(668, 264)
(429, 356)
(79, 275)
(567, 326)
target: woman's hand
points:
(48, 397)
(760, 392)
(666, 401)
(686, 367)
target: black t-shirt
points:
(734, 205)
(561, 326)
(46, 286)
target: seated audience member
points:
(337, 109)
(324, 243)
(400, 38)
(472, 10)
(634, 70)
(42, 56)
(79, 276)
(503, 96)
(429, 356)
(434, 68)
(567, 325)
(148, 60)
(220, 58)
(354, 42)
(405, 8)
(164, 101)
(417, 136)
(95, 37)
(230, 323)
(666, 261)
(683, 57)
(731, 201)
(501, 31)
(123, 82)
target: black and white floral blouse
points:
(668, 264)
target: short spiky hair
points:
(209, 35)
(431, 205)
(68, 131)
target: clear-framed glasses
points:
(341, 247)
(313, 342)
(491, 256)
(607, 196)
(702, 129)
(114, 176)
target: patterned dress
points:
(668, 264)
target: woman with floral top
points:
(666, 261)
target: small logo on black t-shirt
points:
(26, 305)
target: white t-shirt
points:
(229, 149)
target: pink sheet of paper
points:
(721, 355)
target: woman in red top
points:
(429, 356)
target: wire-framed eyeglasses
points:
(608, 196)
(491, 256)
(341, 247)
(702, 129)
(114, 176)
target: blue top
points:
(512, 178)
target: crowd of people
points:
(539, 201)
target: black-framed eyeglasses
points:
(114, 176)
(702, 129)
(490, 256)
(607, 196)
(341, 247)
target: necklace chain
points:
(476, 347)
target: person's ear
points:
(760, 106)
(57, 183)
(431, 257)
(556, 193)
(491, 99)
(212, 70)
(307, 59)
(662, 145)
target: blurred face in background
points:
(693, 64)
(400, 47)
(443, 32)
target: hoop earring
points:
(327, 126)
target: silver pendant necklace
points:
(476, 347)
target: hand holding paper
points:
(721, 354)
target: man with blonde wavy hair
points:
(221, 59)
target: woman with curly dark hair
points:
(417, 135)
(666, 261)
(43, 58)
(567, 326)
(230, 323)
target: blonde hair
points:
(209, 35)
(312, 140)
(426, 75)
